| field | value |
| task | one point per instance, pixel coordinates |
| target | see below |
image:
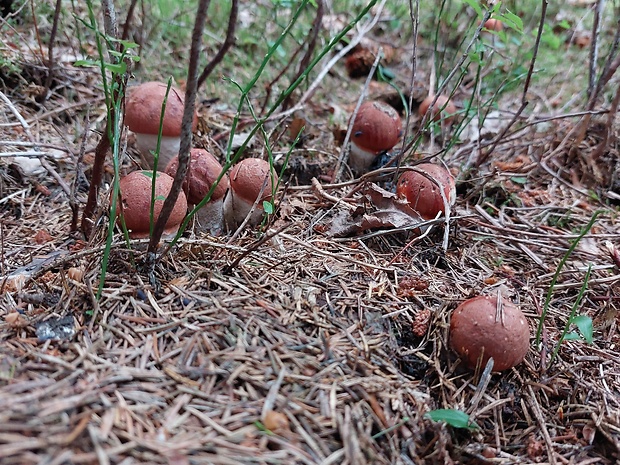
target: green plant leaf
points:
(584, 324)
(512, 21)
(268, 207)
(86, 63)
(572, 336)
(454, 418)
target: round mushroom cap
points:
(203, 171)
(477, 330)
(493, 24)
(135, 202)
(143, 109)
(423, 195)
(377, 127)
(248, 177)
(442, 109)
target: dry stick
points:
(129, 19)
(75, 209)
(611, 116)
(524, 101)
(50, 52)
(578, 132)
(335, 59)
(186, 129)
(305, 60)
(26, 126)
(228, 42)
(596, 31)
(109, 23)
(414, 14)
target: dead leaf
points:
(377, 209)
(42, 236)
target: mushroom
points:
(424, 195)
(488, 326)
(493, 24)
(251, 183)
(376, 129)
(135, 202)
(143, 114)
(203, 171)
(443, 109)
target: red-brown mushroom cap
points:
(442, 109)
(423, 195)
(479, 329)
(203, 171)
(135, 202)
(143, 109)
(248, 177)
(377, 127)
(493, 24)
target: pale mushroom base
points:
(210, 218)
(147, 143)
(237, 209)
(360, 160)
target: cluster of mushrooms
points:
(480, 328)
(236, 196)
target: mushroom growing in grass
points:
(203, 171)
(135, 203)
(376, 129)
(251, 183)
(422, 187)
(489, 326)
(143, 113)
(442, 110)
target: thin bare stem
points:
(228, 42)
(186, 128)
(50, 50)
(528, 79)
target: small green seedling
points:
(454, 418)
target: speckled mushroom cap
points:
(247, 179)
(423, 195)
(377, 127)
(477, 331)
(143, 109)
(442, 109)
(135, 201)
(203, 171)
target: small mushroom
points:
(443, 109)
(143, 114)
(424, 195)
(482, 327)
(493, 24)
(376, 129)
(251, 183)
(203, 171)
(135, 202)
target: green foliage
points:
(582, 323)
(454, 418)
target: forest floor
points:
(294, 343)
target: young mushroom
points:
(203, 171)
(483, 327)
(135, 203)
(251, 183)
(143, 114)
(421, 188)
(442, 110)
(376, 129)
